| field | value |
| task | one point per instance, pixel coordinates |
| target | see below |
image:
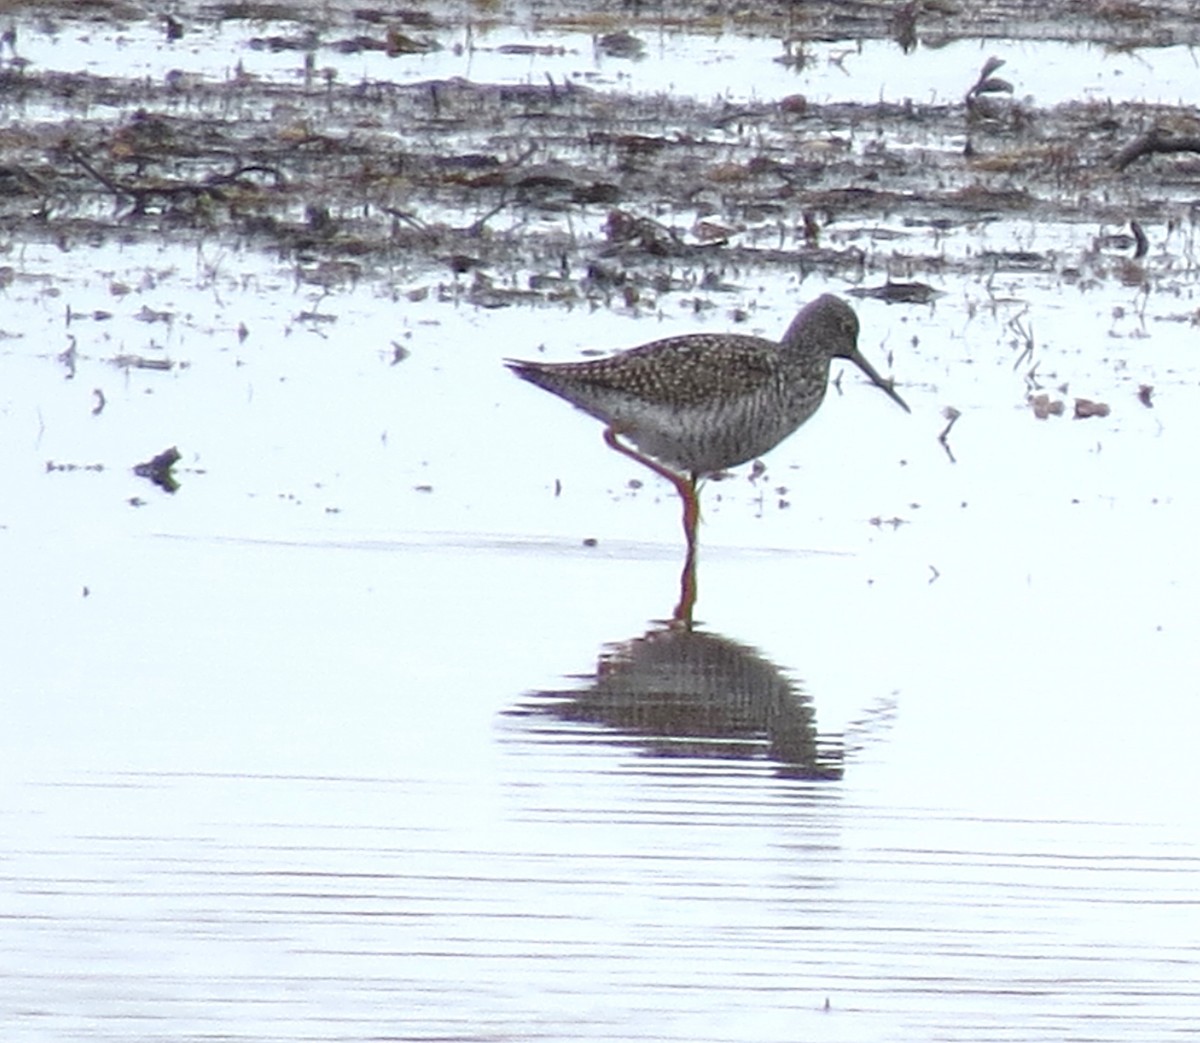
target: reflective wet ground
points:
(371, 729)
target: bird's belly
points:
(714, 438)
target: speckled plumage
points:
(704, 402)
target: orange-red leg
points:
(685, 485)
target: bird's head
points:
(833, 321)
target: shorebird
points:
(704, 402)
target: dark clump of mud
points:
(554, 191)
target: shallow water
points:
(726, 65)
(337, 741)
(271, 768)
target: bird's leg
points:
(691, 511)
(684, 485)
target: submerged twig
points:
(1154, 140)
(1142, 246)
(116, 189)
(951, 414)
(1025, 333)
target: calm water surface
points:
(354, 738)
(322, 791)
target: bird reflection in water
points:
(678, 692)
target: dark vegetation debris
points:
(159, 469)
(555, 192)
(1085, 408)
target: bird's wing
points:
(689, 370)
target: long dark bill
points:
(885, 386)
